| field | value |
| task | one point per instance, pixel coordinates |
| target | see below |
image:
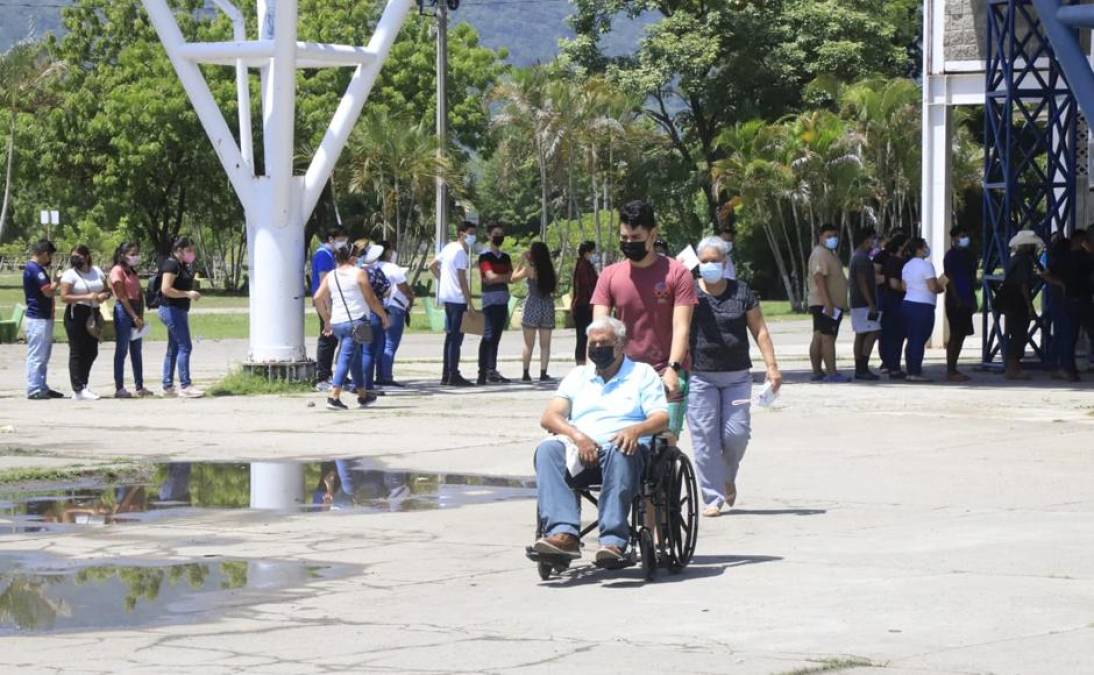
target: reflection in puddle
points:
(115, 596)
(341, 484)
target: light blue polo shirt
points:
(601, 409)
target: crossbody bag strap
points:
(344, 303)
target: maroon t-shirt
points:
(643, 299)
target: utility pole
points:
(441, 233)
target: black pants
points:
(583, 316)
(494, 325)
(324, 354)
(1017, 332)
(83, 349)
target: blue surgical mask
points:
(470, 239)
(964, 242)
(831, 243)
(711, 272)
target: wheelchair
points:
(668, 486)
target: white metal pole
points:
(277, 485)
(243, 88)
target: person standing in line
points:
(959, 266)
(176, 276)
(892, 297)
(83, 289)
(827, 302)
(654, 297)
(581, 290)
(496, 271)
(454, 291)
(38, 292)
(720, 390)
(1015, 298)
(322, 262)
(728, 235)
(1078, 309)
(921, 290)
(539, 308)
(397, 304)
(368, 259)
(864, 307)
(344, 300)
(128, 317)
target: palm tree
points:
(25, 72)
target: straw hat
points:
(1026, 238)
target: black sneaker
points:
(526, 377)
(460, 381)
(390, 383)
(53, 393)
(39, 396)
(867, 376)
(481, 380)
(364, 402)
(335, 404)
(898, 375)
(497, 378)
(544, 377)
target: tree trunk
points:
(8, 176)
(542, 193)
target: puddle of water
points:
(39, 597)
(343, 484)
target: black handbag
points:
(362, 332)
(94, 322)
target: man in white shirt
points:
(607, 411)
(454, 292)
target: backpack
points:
(153, 295)
(378, 280)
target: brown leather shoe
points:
(609, 556)
(559, 544)
(731, 493)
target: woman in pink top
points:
(128, 318)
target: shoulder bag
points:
(94, 322)
(362, 332)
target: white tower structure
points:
(277, 203)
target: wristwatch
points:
(677, 366)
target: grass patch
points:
(24, 452)
(240, 383)
(832, 665)
(52, 474)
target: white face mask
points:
(469, 239)
(963, 242)
(133, 260)
(340, 243)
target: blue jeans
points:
(370, 354)
(392, 337)
(559, 508)
(494, 325)
(349, 354)
(123, 328)
(918, 319)
(39, 348)
(179, 345)
(453, 338)
(1073, 314)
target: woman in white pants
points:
(720, 388)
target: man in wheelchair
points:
(602, 419)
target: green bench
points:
(9, 328)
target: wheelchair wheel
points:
(545, 569)
(649, 554)
(683, 513)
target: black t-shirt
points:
(893, 268)
(1075, 268)
(719, 328)
(184, 281)
(862, 270)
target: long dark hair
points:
(121, 251)
(546, 279)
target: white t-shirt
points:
(395, 275)
(85, 282)
(916, 273)
(354, 306)
(454, 262)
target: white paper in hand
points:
(767, 395)
(688, 257)
(139, 334)
(573, 458)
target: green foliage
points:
(240, 383)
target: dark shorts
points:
(824, 324)
(960, 319)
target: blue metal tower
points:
(1030, 119)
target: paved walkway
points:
(917, 529)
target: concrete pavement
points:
(902, 528)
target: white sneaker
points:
(122, 393)
(170, 393)
(85, 395)
(191, 392)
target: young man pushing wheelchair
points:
(602, 419)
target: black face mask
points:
(634, 250)
(77, 262)
(498, 239)
(602, 356)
